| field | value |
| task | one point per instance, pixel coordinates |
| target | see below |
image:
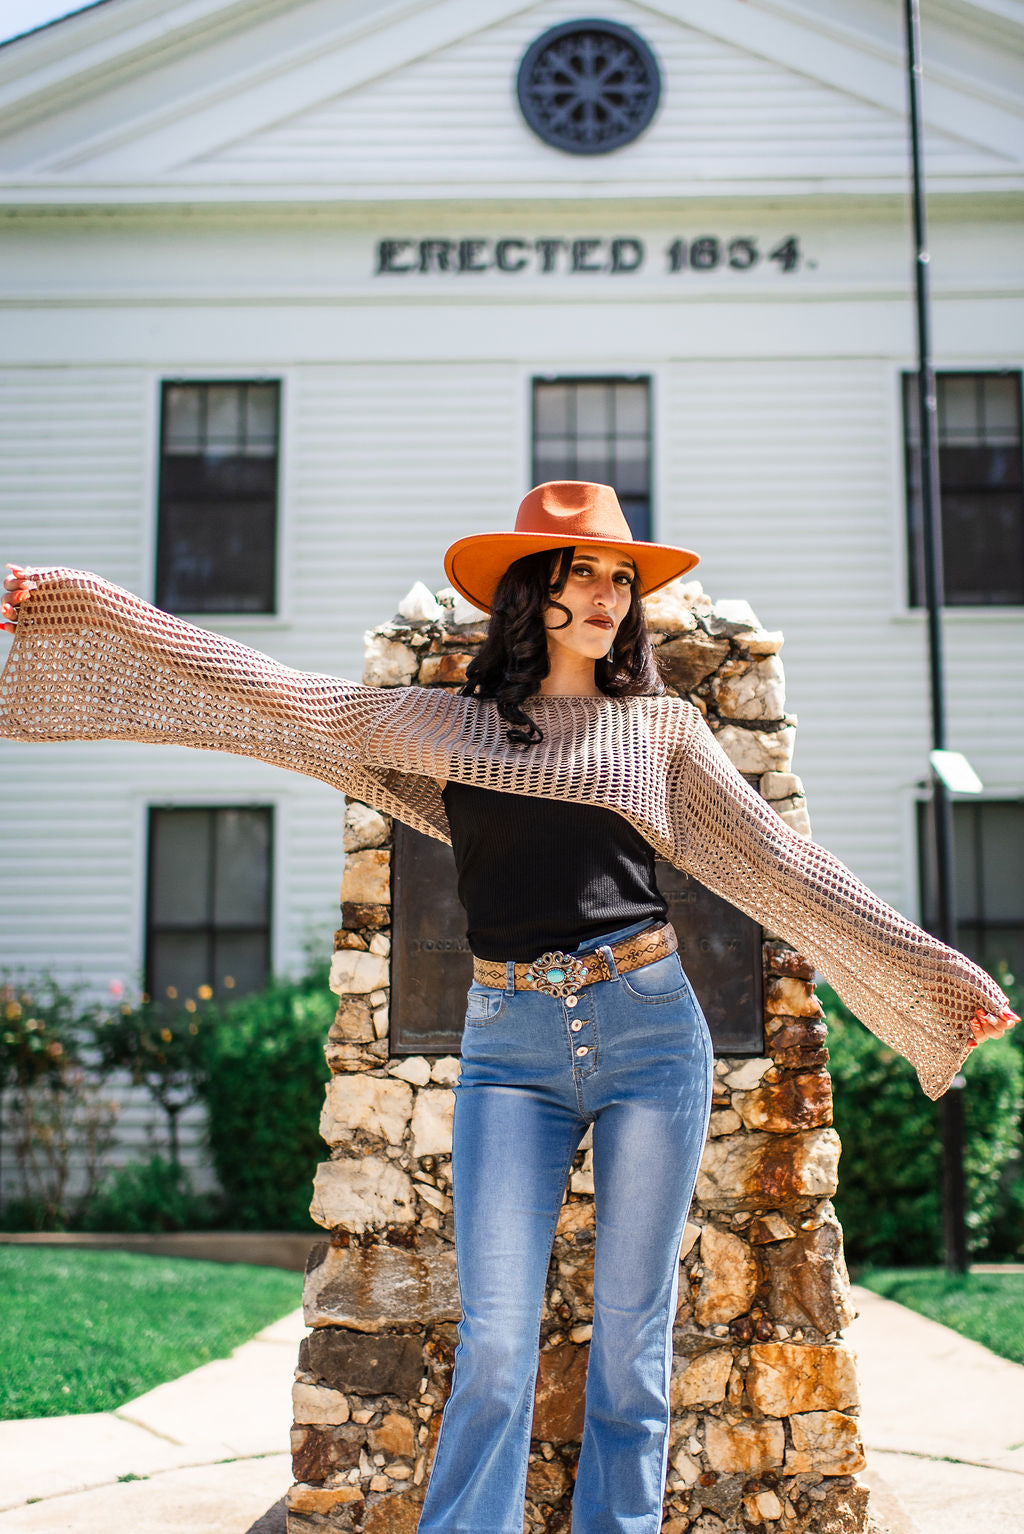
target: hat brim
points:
(475, 564)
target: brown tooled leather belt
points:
(563, 974)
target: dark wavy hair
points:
(513, 659)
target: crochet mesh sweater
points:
(91, 661)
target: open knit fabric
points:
(91, 661)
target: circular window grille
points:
(588, 86)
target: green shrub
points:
(890, 1180)
(146, 1196)
(262, 1082)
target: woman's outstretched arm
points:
(926, 1000)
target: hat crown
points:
(574, 509)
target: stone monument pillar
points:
(764, 1391)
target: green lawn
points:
(86, 1331)
(989, 1307)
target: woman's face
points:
(597, 592)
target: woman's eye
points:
(624, 580)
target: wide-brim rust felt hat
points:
(560, 514)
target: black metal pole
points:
(941, 817)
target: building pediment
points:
(215, 100)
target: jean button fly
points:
(576, 1024)
(582, 1050)
(571, 1001)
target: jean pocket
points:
(662, 980)
(484, 1006)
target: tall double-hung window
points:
(217, 504)
(208, 907)
(597, 429)
(989, 897)
(981, 488)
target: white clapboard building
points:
(296, 291)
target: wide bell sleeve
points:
(916, 994)
(91, 661)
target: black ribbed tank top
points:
(539, 874)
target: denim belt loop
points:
(510, 977)
(609, 959)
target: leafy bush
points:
(147, 1196)
(890, 1186)
(53, 1105)
(262, 1081)
(160, 1048)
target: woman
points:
(557, 775)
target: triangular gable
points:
(251, 100)
(726, 114)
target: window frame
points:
(919, 826)
(276, 616)
(213, 806)
(905, 563)
(645, 375)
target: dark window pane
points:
(551, 410)
(593, 410)
(218, 498)
(242, 875)
(1002, 856)
(180, 867)
(981, 475)
(242, 958)
(597, 429)
(631, 410)
(178, 965)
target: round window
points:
(588, 86)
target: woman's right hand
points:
(17, 586)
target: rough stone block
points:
(793, 1102)
(790, 997)
(397, 1514)
(364, 827)
(575, 1217)
(751, 1170)
(743, 1447)
(317, 1452)
(356, 974)
(316, 1406)
(758, 692)
(729, 1280)
(368, 1288)
(758, 751)
(395, 1437)
(689, 660)
(701, 1381)
(356, 913)
(358, 1195)
(380, 1106)
(353, 1022)
(808, 1282)
(547, 1482)
(826, 1442)
(744, 1074)
(414, 1068)
(444, 668)
(561, 1382)
(364, 1365)
(670, 610)
(388, 662)
(787, 1377)
(321, 1499)
(432, 1122)
(367, 877)
(760, 641)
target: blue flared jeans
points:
(632, 1057)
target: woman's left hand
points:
(991, 1025)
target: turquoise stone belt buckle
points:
(557, 974)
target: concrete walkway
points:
(943, 1421)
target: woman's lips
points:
(601, 623)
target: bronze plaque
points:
(431, 965)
